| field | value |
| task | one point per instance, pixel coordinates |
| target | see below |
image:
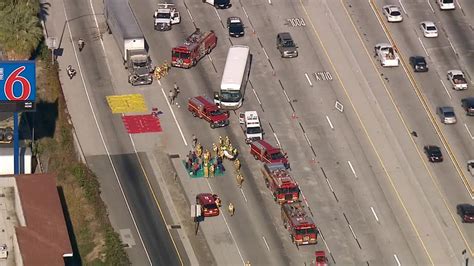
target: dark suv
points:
(433, 153)
(418, 63)
(466, 211)
(286, 45)
(235, 26)
(468, 105)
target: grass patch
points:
(97, 241)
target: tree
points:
(20, 28)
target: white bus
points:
(235, 78)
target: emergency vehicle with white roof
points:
(251, 126)
(165, 16)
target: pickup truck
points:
(204, 108)
(457, 79)
(387, 55)
(265, 152)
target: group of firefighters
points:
(161, 71)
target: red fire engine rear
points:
(284, 188)
(301, 227)
(193, 49)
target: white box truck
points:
(7, 163)
(122, 24)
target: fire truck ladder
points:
(194, 38)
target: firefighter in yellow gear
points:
(240, 179)
(211, 170)
(158, 72)
(221, 141)
(237, 165)
(226, 141)
(231, 209)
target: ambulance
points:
(250, 123)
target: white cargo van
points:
(251, 126)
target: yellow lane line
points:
(156, 201)
(423, 100)
(363, 125)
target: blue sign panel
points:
(17, 81)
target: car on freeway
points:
(446, 114)
(446, 4)
(392, 13)
(457, 79)
(208, 204)
(468, 105)
(429, 29)
(235, 26)
(433, 153)
(286, 45)
(466, 211)
(418, 63)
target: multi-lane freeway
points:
(346, 123)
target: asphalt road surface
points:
(364, 177)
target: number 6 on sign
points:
(18, 83)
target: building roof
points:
(45, 239)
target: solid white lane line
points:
(452, 46)
(308, 79)
(256, 96)
(227, 224)
(191, 16)
(266, 244)
(286, 95)
(446, 89)
(278, 141)
(375, 215)
(352, 231)
(422, 45)
(396, 258)
(329, 121)
(265, 52)
(432, 10)
(307, 139)
(174, 117)
(468, 131)
(352, 168)
(401, 4)
(329, 183)
(242, 191)
(97, 123)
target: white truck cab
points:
(165, 16)
(251, 126)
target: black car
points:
(466, 211)
(235, 26)
(433, 153)
(418, 63)
(468, 105)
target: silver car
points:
(446, 114)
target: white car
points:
(392, 13)
(429, 29)
(446, 4)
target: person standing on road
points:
(231, 209)
(176, 89)
(81, 43)
(172, 96)
(195, 140)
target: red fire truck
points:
(284, 188)
(193, 49)
(265, 152)
(301, 227)
(204, 108)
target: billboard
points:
(17, 86)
